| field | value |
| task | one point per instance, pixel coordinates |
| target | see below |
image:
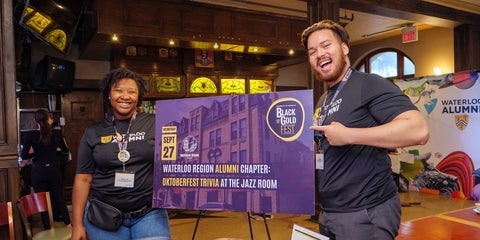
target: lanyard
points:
(326, 107)
(122, 142)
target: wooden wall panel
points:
(250, 27)
(9, 173)
(8, 116)
(196, 22)
(80, 109)
(149, 15)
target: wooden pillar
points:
(9, 173)
(466, 47)
(316, 11)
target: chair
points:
(6, 218)
(33, 205)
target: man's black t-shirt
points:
(98, 155)
(357, 177)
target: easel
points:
(263, 215)
(264, 221)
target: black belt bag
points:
(108, 217)
(104, 216)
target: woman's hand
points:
(79, 233)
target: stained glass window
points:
(168, 84)
(203, 85)
(232, 85)
(260, 86)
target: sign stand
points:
(200, 214)
(263, 215)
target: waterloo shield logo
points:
(461, 121)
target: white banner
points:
(451, 106)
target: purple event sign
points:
(249, 153)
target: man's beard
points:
(336, 74)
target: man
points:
(356, 121)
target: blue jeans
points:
(154, 225)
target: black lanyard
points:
(326, 107)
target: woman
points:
(46, 173)
(115, 167)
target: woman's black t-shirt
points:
(98, 155)
(45, 154)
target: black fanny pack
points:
(108, 217)
(104, 216)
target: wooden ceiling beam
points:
(412, 10)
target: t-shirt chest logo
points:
(138, 136)
(106, 139)
(333, 107)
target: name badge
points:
(319, 160)
(124, 179)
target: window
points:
(234, 105)
(215, 111)
(211, 139)
(232, 85)
(183, 128)
(243, 128)
(233, 157)
(260, 86)
(243, 156)
(218, 137)
(241, 103)
(203, 85)
(389, 63)
(233, 131)
(194, 121)
(214, 155)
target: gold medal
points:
(123, 155)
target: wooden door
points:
(80, 109)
